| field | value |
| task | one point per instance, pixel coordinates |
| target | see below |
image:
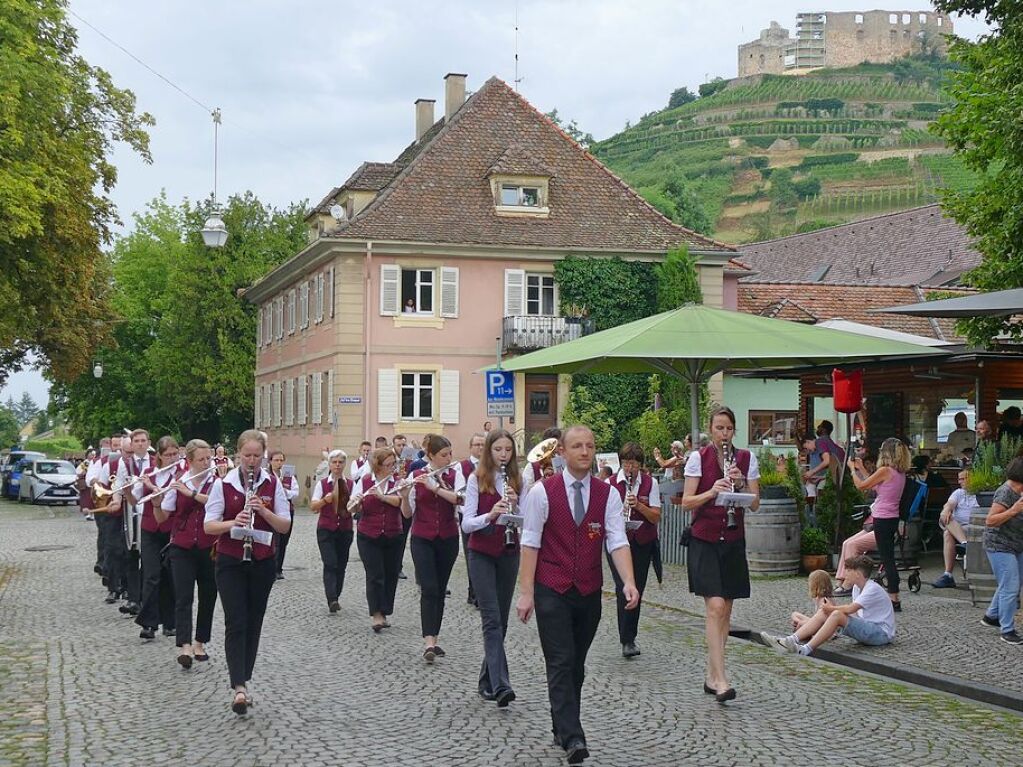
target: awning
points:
(998, 303)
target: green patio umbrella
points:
(694, 342)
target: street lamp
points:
(214, 233)
(97, 370)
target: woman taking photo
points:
(248, 492)
(493, 564)
(888, 480)
(430, 503)
(334, 527)
(717, 548)
(379, 535)
(157, 606)
(184, 509)
(1003, 542)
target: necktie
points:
(578, 507)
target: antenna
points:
(517, 79)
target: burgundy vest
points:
(467, 467)
(570, 555)
(378, 517)
(149, 523)
(709, 521)
(358, 464)
(647, 533)
(234, 501)
(537, 472)
(112, 464)
(342, 520)
(434, 517)
(490, 540)
(188, 516)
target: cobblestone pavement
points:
(938, 630)
(77, 686)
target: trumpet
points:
(728, 456)
(189, 478)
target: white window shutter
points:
(259, 329)
(289, 398)
(303, 380)
(330, 290)
(303, 304)
(317, 389)
(271, 413)
(329, 409)
(449, 396)
(449, 291)
(292, 322)
(387, 395)
(514, 292)
(256, 414)
(280, 404)
(319, 298)
(268, 402)
(390, 292)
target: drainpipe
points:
(367, 356)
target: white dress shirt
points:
(215, 501)
(432, 483)
(694, 466)
(123, 477)
(472, 520)
(290, 492)
(93, 471)
(169, 501)
(358, 492)
(537, 507)
(357, 473)
(655, 491)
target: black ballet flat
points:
(504, 698)
(378, 627)
(429, 654)
(185, 660)
(709, 690)
(438, 651)
(202, 658)
(897, 607)
(240, 707)
(724, 697)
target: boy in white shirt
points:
(869, 619)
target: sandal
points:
(240, 705)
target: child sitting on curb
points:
(869, 619)
(819, 584)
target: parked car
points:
(48, 481)
(10, 471)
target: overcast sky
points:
(309, 90)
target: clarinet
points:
(250, 493)
(728, 454)
(626, 508)
(510, 533)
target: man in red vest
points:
(570, 518)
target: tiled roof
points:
(915, 247)
(848, 302)
(442, 196)
(517, 160)
(372, 176)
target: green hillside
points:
(771, 155)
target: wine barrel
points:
(772, 537)
(978, 567)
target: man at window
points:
(963, 437)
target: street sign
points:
(349, 400)
(500, 394)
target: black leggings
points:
(191, 568)
(335, 546)
(434, 558)
(885, 531)
(244, 589)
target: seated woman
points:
(869, 618)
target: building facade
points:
(422, 272)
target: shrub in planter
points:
(987, 471)
(813, 541)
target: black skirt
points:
(718, 569)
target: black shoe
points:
(147, 633)
(280, 576)
(123, 609)
(504, 698)
(438, 651)
(487, 695)
(429, 654)
(577, 751)
(1012, 637)
(240, 705)
(169, 632)
(202, 657)
(185, 660)
(111, 598)
(897, 606)
(629, 650)
(132, 608)
(105, 581)
(724, 697)
(334, 606)
(992, 622)
(402, 576)
(97, 569)
(709, 690)
(447, 592)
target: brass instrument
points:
(100, 497)
(543, 454)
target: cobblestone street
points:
(77, 686)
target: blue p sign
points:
(500, 386)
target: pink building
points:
(420, 271)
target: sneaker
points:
(781, 645)
(1012, 637)
(989, 621)
(841, 591)
(946, 581)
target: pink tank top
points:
(889, 492)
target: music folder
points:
(742, 500)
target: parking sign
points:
(500, 394)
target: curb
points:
(952, 685)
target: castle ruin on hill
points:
(845, 39)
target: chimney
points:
(424, 117)
(454, 93)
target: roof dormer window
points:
(520, 183)
(520, 196)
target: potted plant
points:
(987, 471)
(774, 483)
(813, 549)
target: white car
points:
(48, 481)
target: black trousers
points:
(282, 545)
(335, 546)
(465, 552)
(157, 606)
(495, 586)
(191, 568)
(567, 624)
(433, 558)
(885, 531)
(381, 558)
(119, 564)
(628, 620)
(97, 518)
(244, 589)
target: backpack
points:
(912, 498)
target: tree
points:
(26, 409)
(10, 429)
(572, 129)
(582, 407)
(689, 211)
(982, 126)
(680, 96)
(678, 282)
(184, 352)
(709, 89)
(59, 121)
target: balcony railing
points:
(528, 333)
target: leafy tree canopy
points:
(572, 129)
(681, 96)
(983, 127)
(60, 118)
(9, 428)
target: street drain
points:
(49, 547)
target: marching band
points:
(211, 526)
